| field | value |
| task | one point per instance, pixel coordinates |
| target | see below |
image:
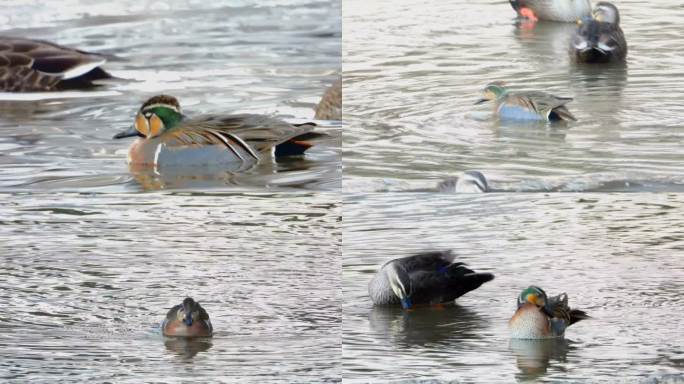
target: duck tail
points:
(464, 279)
(298, 144)
(561, 113)
(577, 315)
(292, 147)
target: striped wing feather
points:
(260, 132)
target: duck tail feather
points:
(577, 315)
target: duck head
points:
(189, 312)
(401, 284)
(533, 295)
(154, 117)
(492, 91)
(606, 12)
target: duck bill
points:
(481, 101)
(130, 132)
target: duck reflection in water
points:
(534, 357)
(445, 324)
(187, 347)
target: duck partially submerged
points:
(187, 319)
(542, 317)
(552, 10)
(28, 65)
(526, 105)
(166, 137)
(599, 38)
(425, 278)
(467, 182)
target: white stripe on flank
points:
(81, 69)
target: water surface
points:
(87, 279)
(618, 256)
(413, 70)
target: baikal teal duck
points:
(168, 138)
(599, 38)
(39, 66)
(187, 319)
(526, 105)
(542, 317)
(552, 10)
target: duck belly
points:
(529, 322)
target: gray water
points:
(275, 58)
(87, 279)
(618, 257)
(413, 69)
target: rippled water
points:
(618, 256)
(87, 279)
(274, 57)
(412, 71)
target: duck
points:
(599, 38)
(330, 106)
(467, 182)
(426, 278)
(526, 105)
(28, 65)
(167, 137)
(187, 319)
(541, 317)
(552, 10)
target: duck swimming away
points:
(39, 66)
(526, 105)
(542, 317)
(599, 38)
(166, 137)
(424, 278)
(187, 319)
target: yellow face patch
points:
(142, 125)
(156, 126)
(535, 299)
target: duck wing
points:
(426, 261)
(35, 65)
(562, 316)
(446, 284)
(251, 132)
(541, 103)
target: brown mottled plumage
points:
(35, 65)
(330, 106)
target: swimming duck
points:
(425, 278)
(552, 10)
(467, 182)
(526, 105)
(541, 317)
(187, 319)
(330, 106)
(167, 137)
(35, 65)
(599, 38)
